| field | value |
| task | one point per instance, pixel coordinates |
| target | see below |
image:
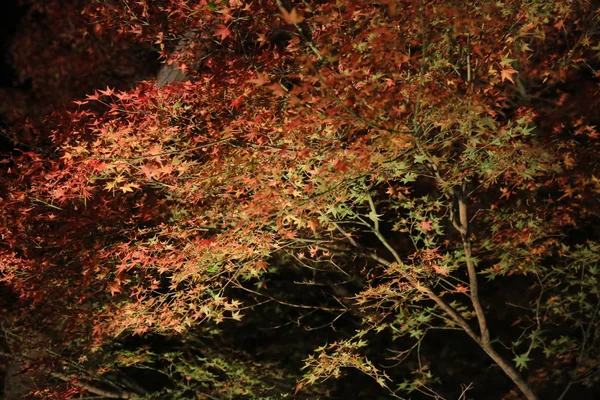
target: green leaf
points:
(506, 61)
(409, 177)
(374, 216)
(420, 159)
(522, 360)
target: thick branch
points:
(463, 223)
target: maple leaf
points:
(460, 288)
(183, 68)
(206, 242)
(277, 89)
(425, 226)
(506, 192)
(124, 96)
(223, 32)
(107, 92)
(122, 267)
(150, 171)
(290, 17)
(507, 74)
(128, 187)
(260, 80)
(58, 194)
(237, 102)
(110, 185)
(236, 316)
(95, 96)
(114, 287)
(521, 361)
(506, 61)
(261, 265)
(440, 269)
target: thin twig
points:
(285, 303)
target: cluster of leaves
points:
(430, 154)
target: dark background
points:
(10, 16)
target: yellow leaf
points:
(128, 187)
(290, 17)
(110, 185)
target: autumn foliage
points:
(407, 189)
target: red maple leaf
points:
(107, 92)
(223, 32)
(237, 102)
(95, 96)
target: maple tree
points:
(384, 176)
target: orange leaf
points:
(150, 171)
(507, 73)
(291, 17)
(440, 269)
(114, 287)
(277, 89)
(460, 288)
(313, 224)
(260, 80)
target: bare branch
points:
(285, 303)
(473, 283)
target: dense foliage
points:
(319, 199)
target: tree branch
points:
(463, 224)
(93, 389)
(483, 343)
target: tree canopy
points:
(310, 199)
